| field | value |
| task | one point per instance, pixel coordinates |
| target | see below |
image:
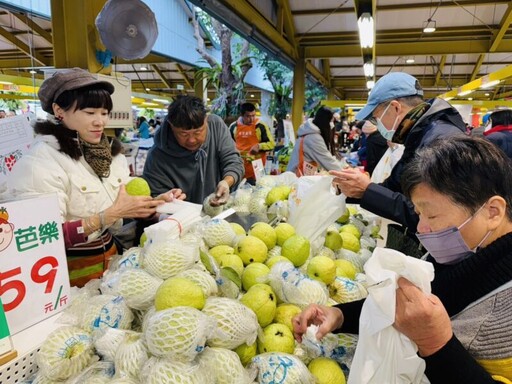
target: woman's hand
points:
(127, 206)
(171, 195)
(328, 318)
(422, 318)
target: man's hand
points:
(255, 149)
(422, 318)
(221, 194)
(352, 182)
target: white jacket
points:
(43, 169)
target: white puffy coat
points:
(43, 169)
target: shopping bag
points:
(386, 163)
(384, 355)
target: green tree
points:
(281, 78)
(314, 94)
(228, 76)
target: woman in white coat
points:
(72, 157)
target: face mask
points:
(447, 245)
(331, 124)
(387, 134)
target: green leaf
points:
(206, 259)
(230, 274)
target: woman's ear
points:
(57, 111)
(497, 210)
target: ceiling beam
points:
(426, 48)
(397, 7)
(185, 77)
(505, 23)
(149, 59)
(477, 66)
(23, 17)
(161, 76)
(317, 74)
(326, 64)
(288, 23)
(24, 47)
(440, 69)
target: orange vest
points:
(246, 139)
(300, 167)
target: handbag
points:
(400, 239)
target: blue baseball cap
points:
(389, 87)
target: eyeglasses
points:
(373, 120)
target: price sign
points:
(34, 282)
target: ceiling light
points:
(370, 84)
(369, 69)
(366, 30)
(448, 98)
(470, 98)
(143, 68)
(32, 71)
(409, 60)
(429, 26)
(464, 93)
(148, 89)
(252, 96)
(487, 94)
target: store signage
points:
(34, 282)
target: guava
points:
(138, 187)
(296, 249)
(178, 291)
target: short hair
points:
(247, 107)
(468, 170)
(94, 96)
(501, 117)
(186, 112)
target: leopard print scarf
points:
(98, 156)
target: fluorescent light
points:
(32, 72)
(409, 61)
(148, 89)
(149, 103)
(448, 98)
(143, 68)
(470, 98)
(161, 100)
(429, 26)
(369, 69)
(370, 84)
(464, 93)
(366, 30)
(252, 96)
(490, 84)
(487, 94)
(6, 82)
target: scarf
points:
(409, 121)
(98, 156)
(498, 128)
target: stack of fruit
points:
(214, 306)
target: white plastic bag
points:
(384, 355)
(314, 206)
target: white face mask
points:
(331, 124)
(383, 130)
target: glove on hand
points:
(221, 194)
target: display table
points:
(27, 343)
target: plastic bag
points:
(314, 206)
(386, 163)
(384, 355)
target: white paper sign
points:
(258, 168)
(16, 135)
(34, 281)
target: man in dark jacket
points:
(193, 151)
(397, 108)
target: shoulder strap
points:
(300, 166)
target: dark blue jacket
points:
(386, 199)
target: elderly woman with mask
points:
(462, 192)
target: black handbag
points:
(400, 239)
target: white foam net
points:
(274, 367)
(179, 333)
(294, 287)
(345, 290)
(218, 232)
(236, 323)
(65, 353)
(161, 370)
(131, 356)
(107, 341)
(225, 366)
(165, 259)
(131, 258)
(106, 311)
(203, 279)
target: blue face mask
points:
(447, 246)
(386, 133)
